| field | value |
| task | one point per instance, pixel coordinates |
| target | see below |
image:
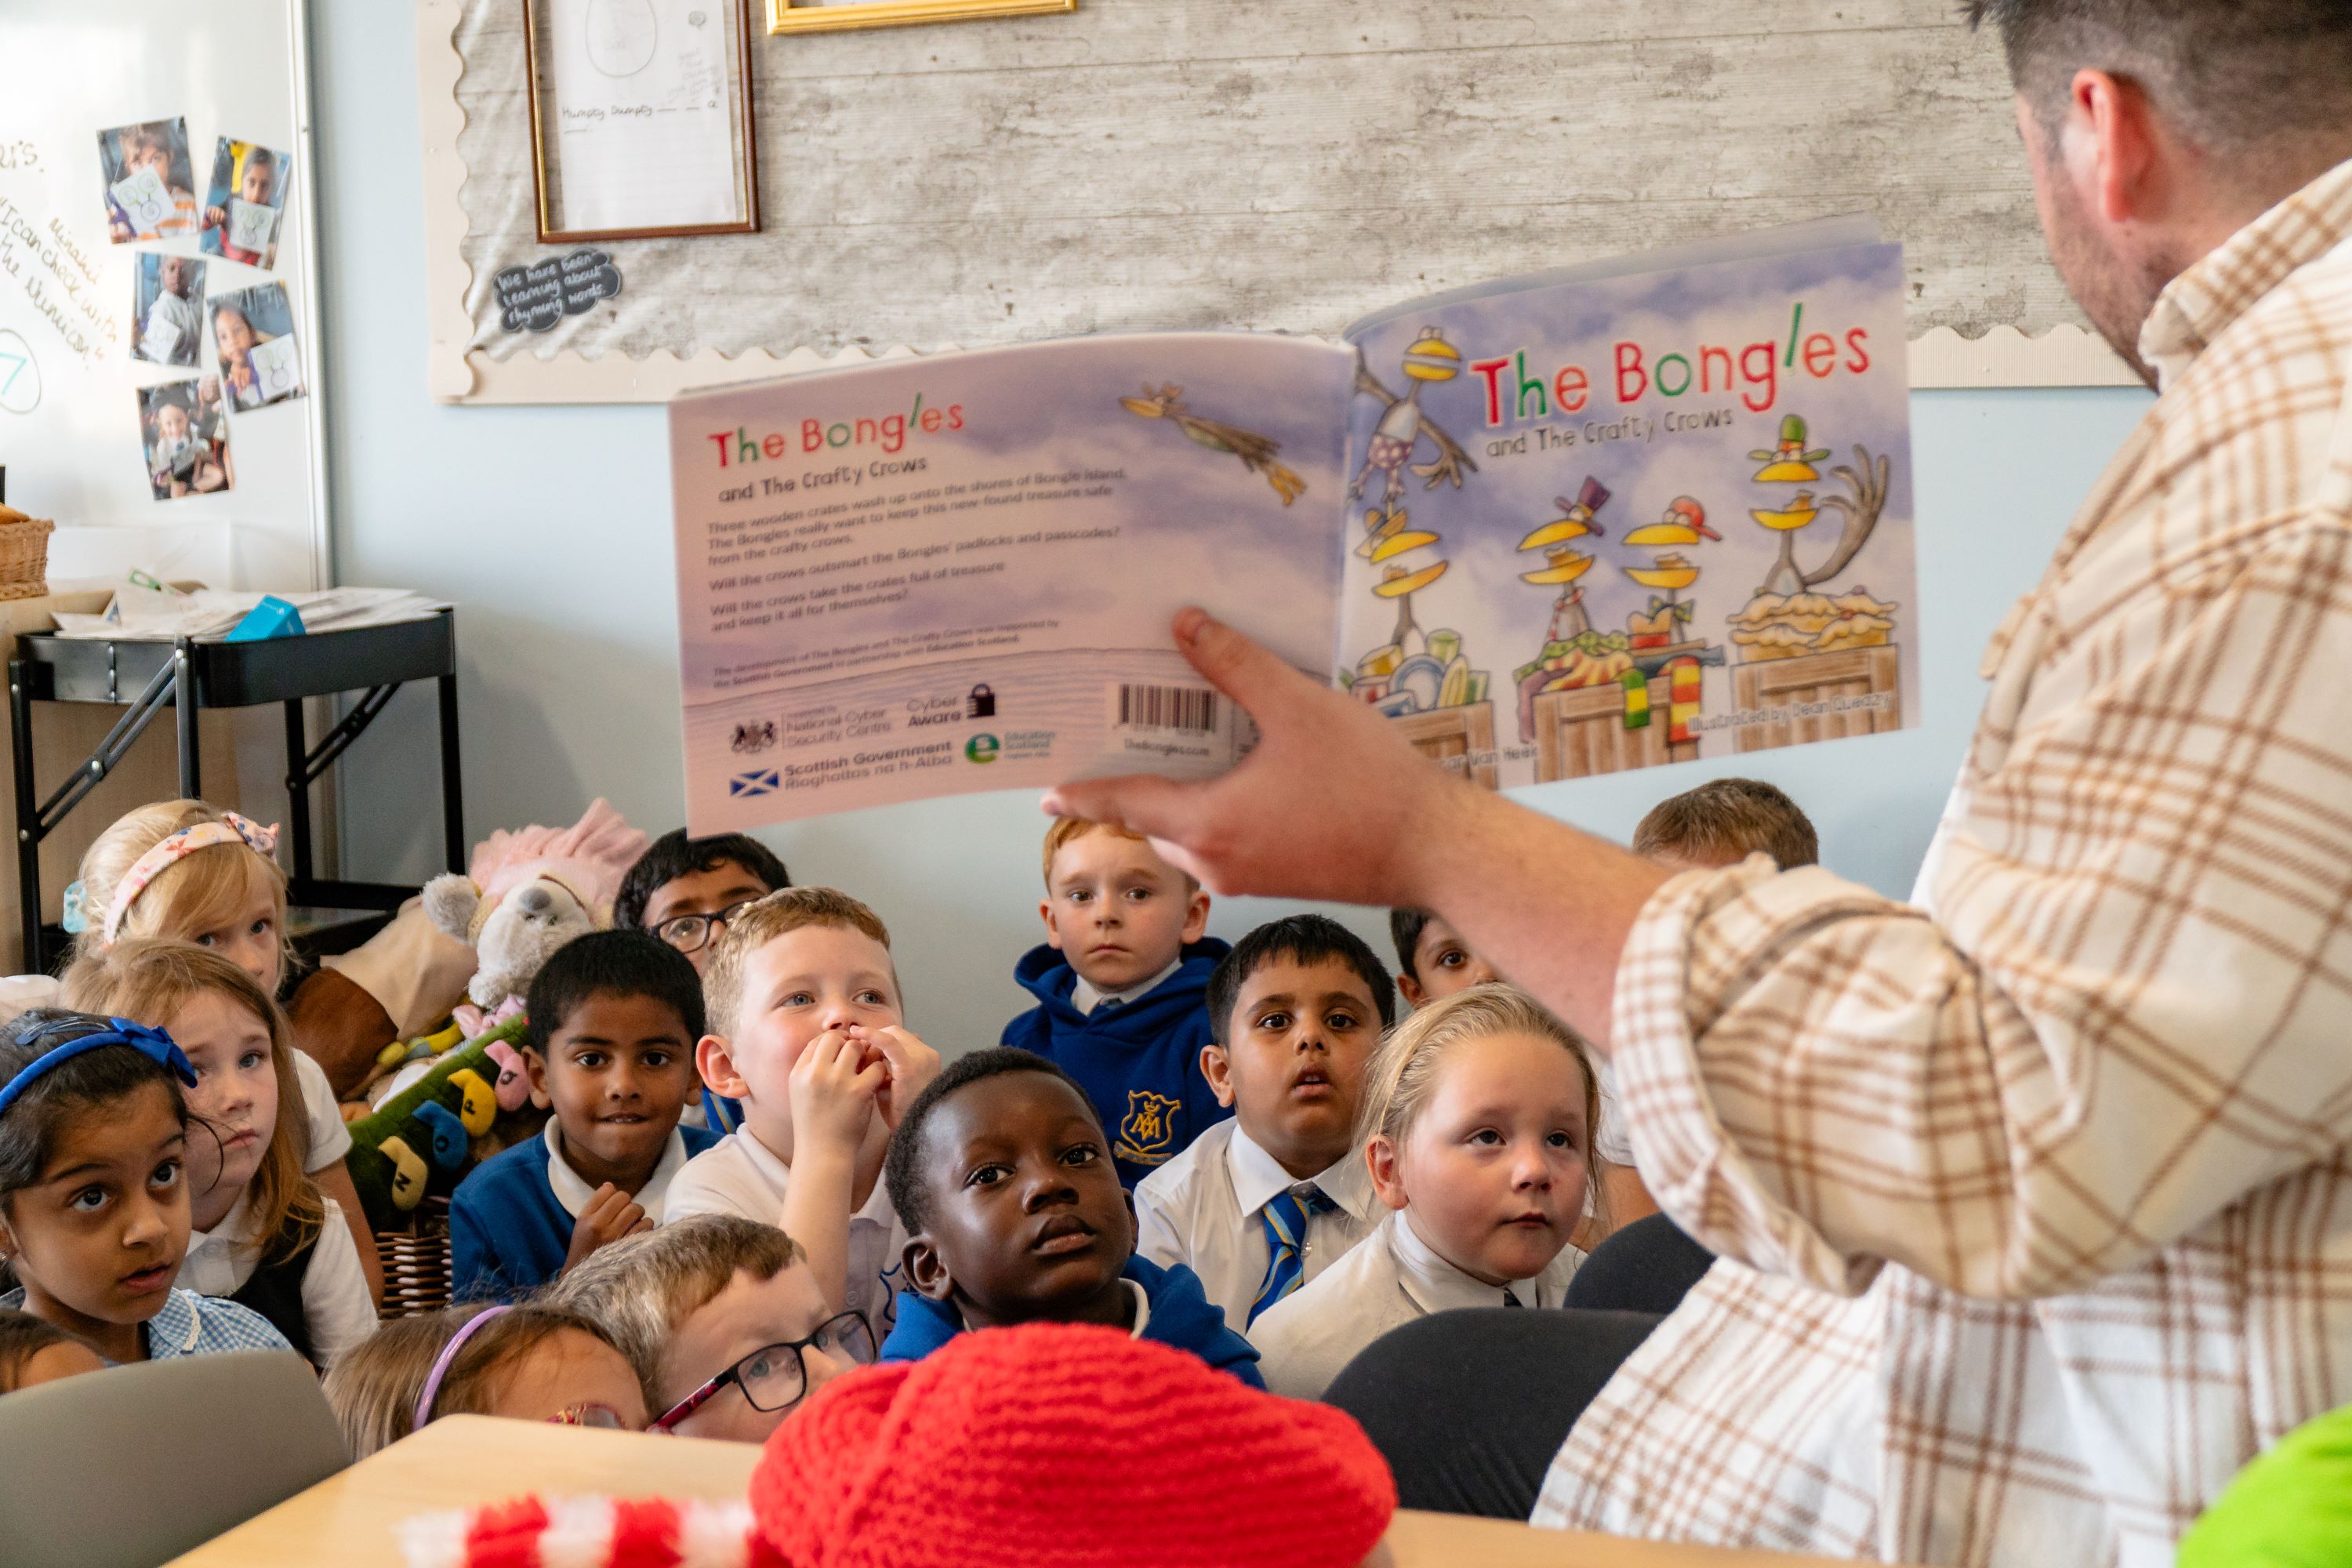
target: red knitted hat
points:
(1059, 1446)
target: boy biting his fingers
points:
(806, 1032)
(614, 1019)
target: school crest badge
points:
(1148, 1127)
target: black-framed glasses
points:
(692, 934)
(775, 1377)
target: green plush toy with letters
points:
(424, 1139)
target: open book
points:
(1564, 524)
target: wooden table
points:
(465, 1459)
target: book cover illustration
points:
(1625, 521)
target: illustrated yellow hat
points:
(1398, 543)
(1396, 582)
(1800, 512)
(1791, 461)
(1659, 533)
(1432, 358)
(1566, 566)
(1672, 572)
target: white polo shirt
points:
(576, 1193)
(336, 1301)
(740, 1175)
(1203, 1209)
(1385, 1282)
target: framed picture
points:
(641, 118)
(820, 16)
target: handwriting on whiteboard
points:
(56, 278)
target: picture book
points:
(1603, 518)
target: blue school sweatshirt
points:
(1182, 1316)
(509, 1233)
(1139, 1063)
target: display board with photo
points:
(167, 308)
(246, 201)
(149, 181)
(253, 339)
(185, 438)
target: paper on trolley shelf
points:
(209, 615)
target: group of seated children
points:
(752, 1176)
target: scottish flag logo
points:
(759, 781)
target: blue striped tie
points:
(1284, 1218)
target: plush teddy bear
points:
(528, 893)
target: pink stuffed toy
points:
(528, 893)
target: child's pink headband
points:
(176, 846)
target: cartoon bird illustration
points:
(1564, 565)
(1429, 362)
(1790, 461)
(1256, 452)
(1684, 524)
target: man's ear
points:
(926, 1270)
(535, 1065)
(1196, 914)
(1218, 1069)
(2108, 146)
(714, 1063)
(1381, 1160)
(1409, 987)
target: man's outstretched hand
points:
(1333, 803)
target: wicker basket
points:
(23, 554)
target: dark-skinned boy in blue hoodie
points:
(1002, 1176)
(1122, 983)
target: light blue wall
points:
(551, 527)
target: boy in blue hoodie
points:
(1121, 985)
(1002, 1176)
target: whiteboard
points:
(71, 436)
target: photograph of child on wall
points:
(181, 461)
(149, 181)
(252, 337)
(167, 314)
(246, 199)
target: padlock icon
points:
(981, 703)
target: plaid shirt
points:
(2036, 1215)
(190, 1324)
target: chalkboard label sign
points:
(537, 297)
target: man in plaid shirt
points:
(2033, 1202)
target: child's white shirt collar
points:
(1258, 1178)
(1437, 1286)
(573, 1192)
(1085, 998)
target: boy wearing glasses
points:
(613, 1017)
(684, 890)
(722, 1322)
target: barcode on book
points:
(1186, 708)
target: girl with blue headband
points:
(93, 1191)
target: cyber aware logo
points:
(759, 781)
(1148, 1128)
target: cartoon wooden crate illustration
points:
(1581, 733)
(1460, 739)
(1817, 685)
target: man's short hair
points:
(674, 855)
(1728, 820)
(2233, 74)
(640, 1289)
(1302, 939)
(761, 922)
(624, 962)
(902, 1165)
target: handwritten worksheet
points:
(641, 122)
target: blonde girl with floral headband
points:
(186, 870)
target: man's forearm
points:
(1549, 905)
